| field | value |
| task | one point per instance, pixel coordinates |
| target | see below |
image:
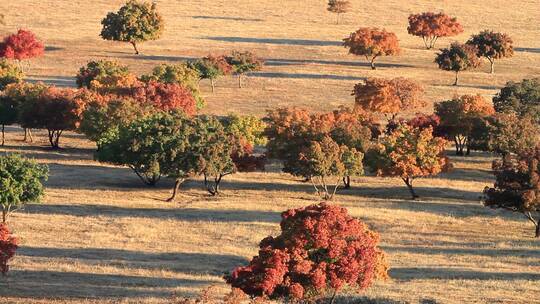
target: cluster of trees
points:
(374, 42)
(487, 44)
(320, 251)
(238, 63)
(178, 146)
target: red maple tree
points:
(22, 45)
(320, 251)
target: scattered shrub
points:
(431, 26)
(20, 181)
(320, 251)
(457, 58)
(492, 46)
(8, 247)
(372, 43)
(517, 186)
(135, 22)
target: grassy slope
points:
(100, 235)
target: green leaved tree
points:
(20, 182)
(135, 22)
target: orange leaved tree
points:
(409, 153)
(430, 26)
(460, 116)
(388, 96)
(372, 43)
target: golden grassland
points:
(102, 237)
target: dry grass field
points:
(101, 237)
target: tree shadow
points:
(182, 262)
(52, 48)
(59, 81)
(445, 273)
(157, 57)
(279, 41)
(287, 62)
(440, 250)
(49, 153)
(228, 18)
(55, 284)
(474, 86)
(366, 300)
(527, 50)
(305, 76)
(178, 213)
(468, 174)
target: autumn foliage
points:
(372, 43)
(55, 109)
(8, 247)
(431, 26)
(389, 96)
(321, 250)
(517, 186)
(166, 96)
(409, 153)
(492, 46)
(294, 133)
(460, 116)
(22, 45)
(458, 57)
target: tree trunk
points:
(135, 47)
(3, 133)
(337, 19)
(372, 63)
(4, 215)
(408, 182)
(536, 224)
(492, 66)
(213, 85)
(459, 145)
(28, 135)
(239, 81)
(175, 189)
(54, 138)
(333, 298)
(456, 81)
(346, 182)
